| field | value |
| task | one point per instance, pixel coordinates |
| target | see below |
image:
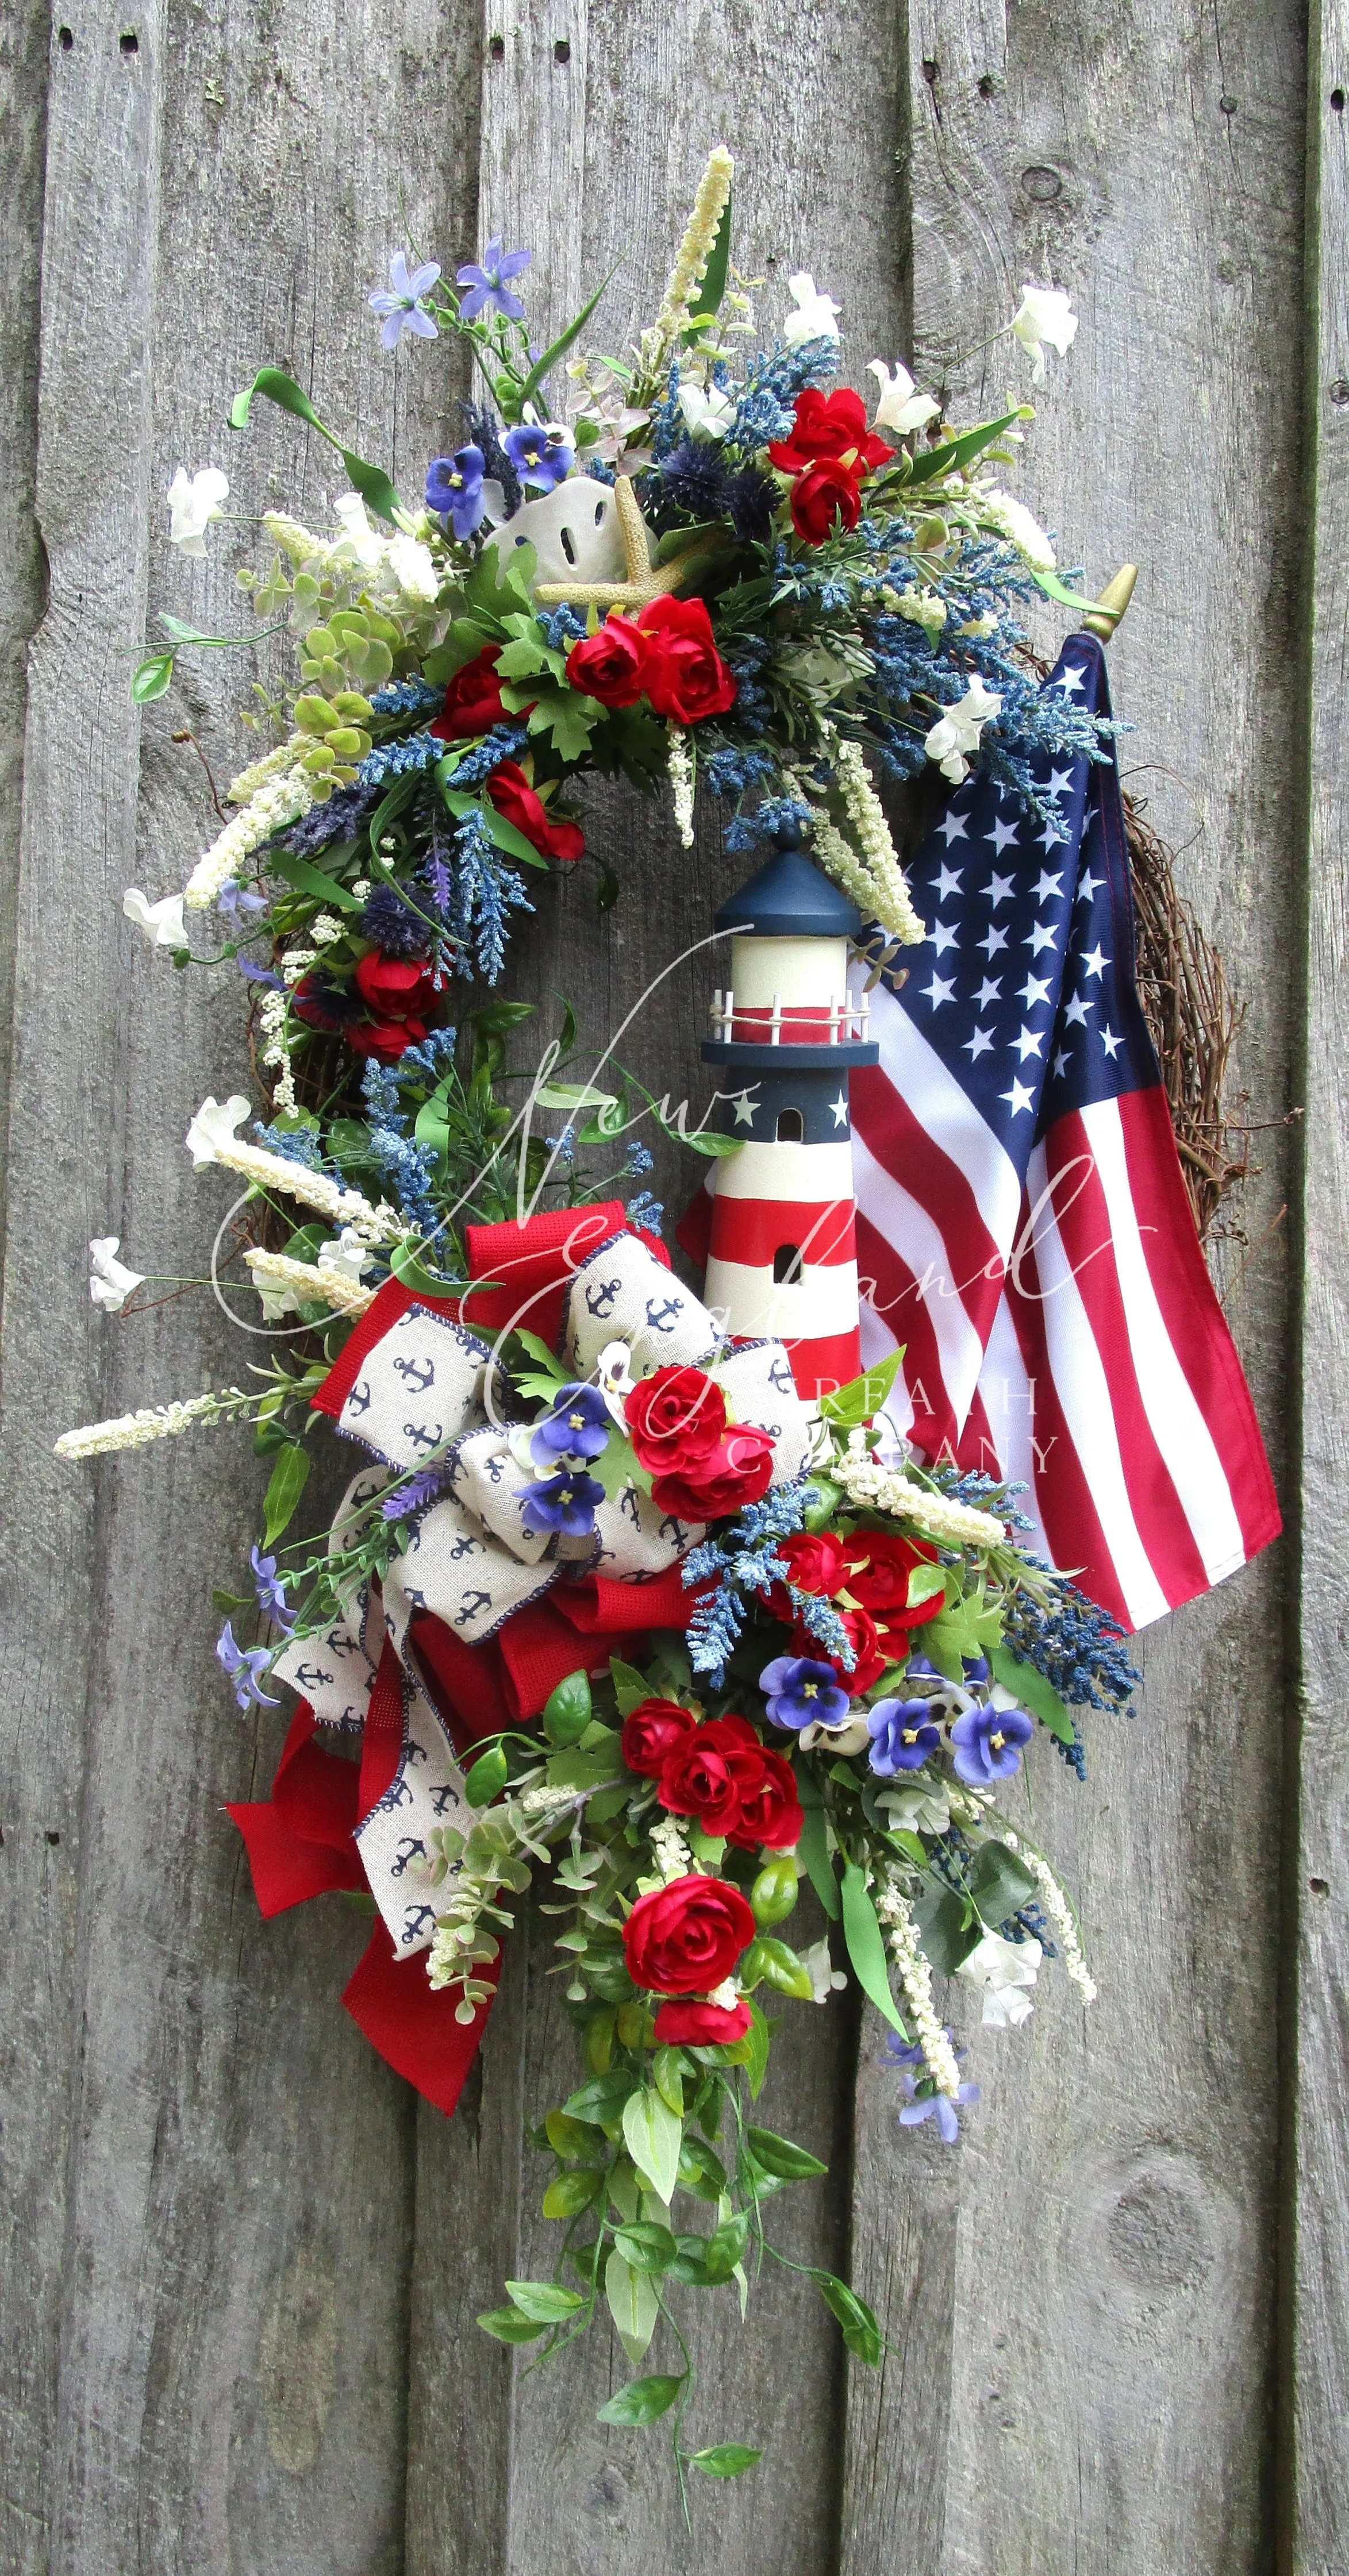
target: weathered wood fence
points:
(242, 2263)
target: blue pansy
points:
(577, 1427)
(454, 489)
(566, 1503)
(486, 282)
(985, 1742)
(902, 1735)
(802, 1693)
(244, 1667)
(540, 452)
(398, 302)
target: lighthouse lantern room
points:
(782, 1259)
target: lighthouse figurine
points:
(782, 1256)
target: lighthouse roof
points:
(789, 898)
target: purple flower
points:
(902, 1735)
(577, 1427)
(260, 975)
(486, 282)
(986, 1740)
(236, 906)
(929, 2104)
(244, 1669)
(454, 488)
(800, 1693)
(540, 452)
(417, 1495)
(271, 1591)
(563, 1502)
(399, 301)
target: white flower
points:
(161, 922)
(366, 545)
(413, 570)
(957, 732)
(213, 1127)
(919, 1810)
(706, 415)
(347, 1255)
(1020, 526)
(110, 1281)
(923, 608)
(814, 318)
(193, 502)
(850, 1735)
(725, 1996)
(1044, 315)
(824, 1977)
(900, 408)
(1003, 1970)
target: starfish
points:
(645, 581)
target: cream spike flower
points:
(282, 800)
(211, 1139)
(152, 1422)
(952, 1524)
(325, 1285)
(695, 250)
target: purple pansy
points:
(903, 1734)
(244, 1667)
(540, 452)
(454, 488)
(802, 1693)
(930, 2105)
(398, 302)
(486, 282)
(564, 1502)
(986, 1740)
(577, 1427)
(271, 1590)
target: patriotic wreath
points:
(615, 1600)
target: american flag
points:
(1023, 1228)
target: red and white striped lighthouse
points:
(782, 1255)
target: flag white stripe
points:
(899, 1218)
(1009, 1403)
(948, 1116)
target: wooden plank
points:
(1100, 2361)
(25, 36)
(1314, 2488)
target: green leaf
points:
(642, 2401)
(866, 1949)
(369, 480)
(543, 2301)
(653, 2133)
(151, 678)
(959, 452)
(630, 1686)
(713, 286)
(569, 2193)
(567, 716)
(572, 1769)
(464, 640)
(946, 1935)
(290, 1475)
(724, 2460)
(777, 1964)
(608, 890)
(547, 1360)
(1053, 588)
(861, 2333)
(566, 2136)
(779, 2156)
(503, 835)
(864, 1395)
(1034, 1692)
(925, 1582)
(487, 1777)
(700, 2167)
(645, 2246)
(726, 2247)
(508, 2325)
(557, 350)
(999, 1883)
(633, 2305)
(815, 1853)
(601, 2099)
(756, 2051)
(311, 880)
(567, 1710)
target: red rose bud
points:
(738, 1471)
(653, 1731)
(686, 1938)
(770, 1816)
(674, 1417)
(877, 1567)
(815, 1565)
(829, 426)
(824, 493)
(868, 1640)
(472, 701)
(614, 664)
(690, 2025)
(689, 679)
(517, 803)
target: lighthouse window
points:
(791, 1127)
(787, 1266)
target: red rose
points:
(472, 701)
(686, 1938)
(675, 1416)
(815, 1564)
(832, 426)
(515, 799)
(397, 993)
(700, 2025)
(876, 1574)
(712, 1773)
(738, 1471)
(614, 664)
(652, 1731)
(824, 493)
(771, 1813)
(868, 1639)
(688, 679)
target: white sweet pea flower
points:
(815, 317)
(957, 732)
(706, 414)
(825, 1978)
(110, 1281)
(1044, 316)
(161, 922)
(413, 570)
(1020, 526)
(346, 1254)
(366, 544)
(214, 1126)
(901, 408)
(194, 500)
(1003, 1970)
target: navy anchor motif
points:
(419, 1921)
(421, 1438)
(445, 1800)
(600, 1298)
(417, 1375)
(410, 1848)
(359, 1400)
(470, 1607)
(656, 1316)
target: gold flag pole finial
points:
(1103, 619)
